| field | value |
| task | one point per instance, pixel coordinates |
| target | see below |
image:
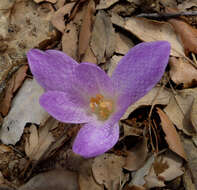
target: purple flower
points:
(84, 93)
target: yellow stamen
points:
(101, 107)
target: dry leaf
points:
(182, 72)
(193, 113)
(148, 30)
(89, 56)
(54, 179)
(104, 4)
(191, 152)
(187, 33)
(172, 137)
(138, 176)
(58, 17)
(25, 108)
(86, 28)
(178, 110)
(106, 44)
(14, 83)
(39, 140)
(136, 156)
(187, 181)
(69, 40)
(165, 168)
(50, 1)
(113, 63)
(158, 94)
(187, 5)
(123, 44)
(107, 170)
(85, 178)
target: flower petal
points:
(94, 139)
(65, 107)
(139, 71)
(93, 80)
(52, 69)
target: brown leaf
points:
(69, 40)
(149, 30)
(193, 114)
(172, 137)
(136, 156)
(103, 4)
(86, 28)
(86, 178)
(50, 1)
(14, 83)
(39, 140)
(54, 179)
(162, 97)
(182, 72)
(178, 111)
(187, 33)
(166, 167)
(58, 17)
(104, 45)
(191, 152)
(107, 170)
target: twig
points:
(167, 15)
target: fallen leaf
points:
(50, 1)
(136, 156)
(158, 94)
(193, 113)
(104, 4)
(25, 108)
(187, 33)
(149, 30)
(191, 152)
(105, 45)
(14, 83)
(187, 181)
(178, 110)
(107, 170)
(185, 5)
(58, 17)
(89, 56)
(86, 179)
(39, 140)
(123, 44)
(166, 167)
(54, 179)
(86, 28)
(113, 63)
(172, 137)
(182, 72)
(69, 40)
(138, 176)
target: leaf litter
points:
(46, 144)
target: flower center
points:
(101, 107)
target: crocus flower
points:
(84, 93)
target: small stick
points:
(167, 15)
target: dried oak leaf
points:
(178, 110)
(50, 1)
(172, 137)
(86, 28)
(104, 4)
(69, 40)
(182, 72)
(165, 168)
(187, 33)
(55, 179)
(58, 17)
(136, 156)
(107, 170)
(149, 30)
(39, 140)
(14, 83)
